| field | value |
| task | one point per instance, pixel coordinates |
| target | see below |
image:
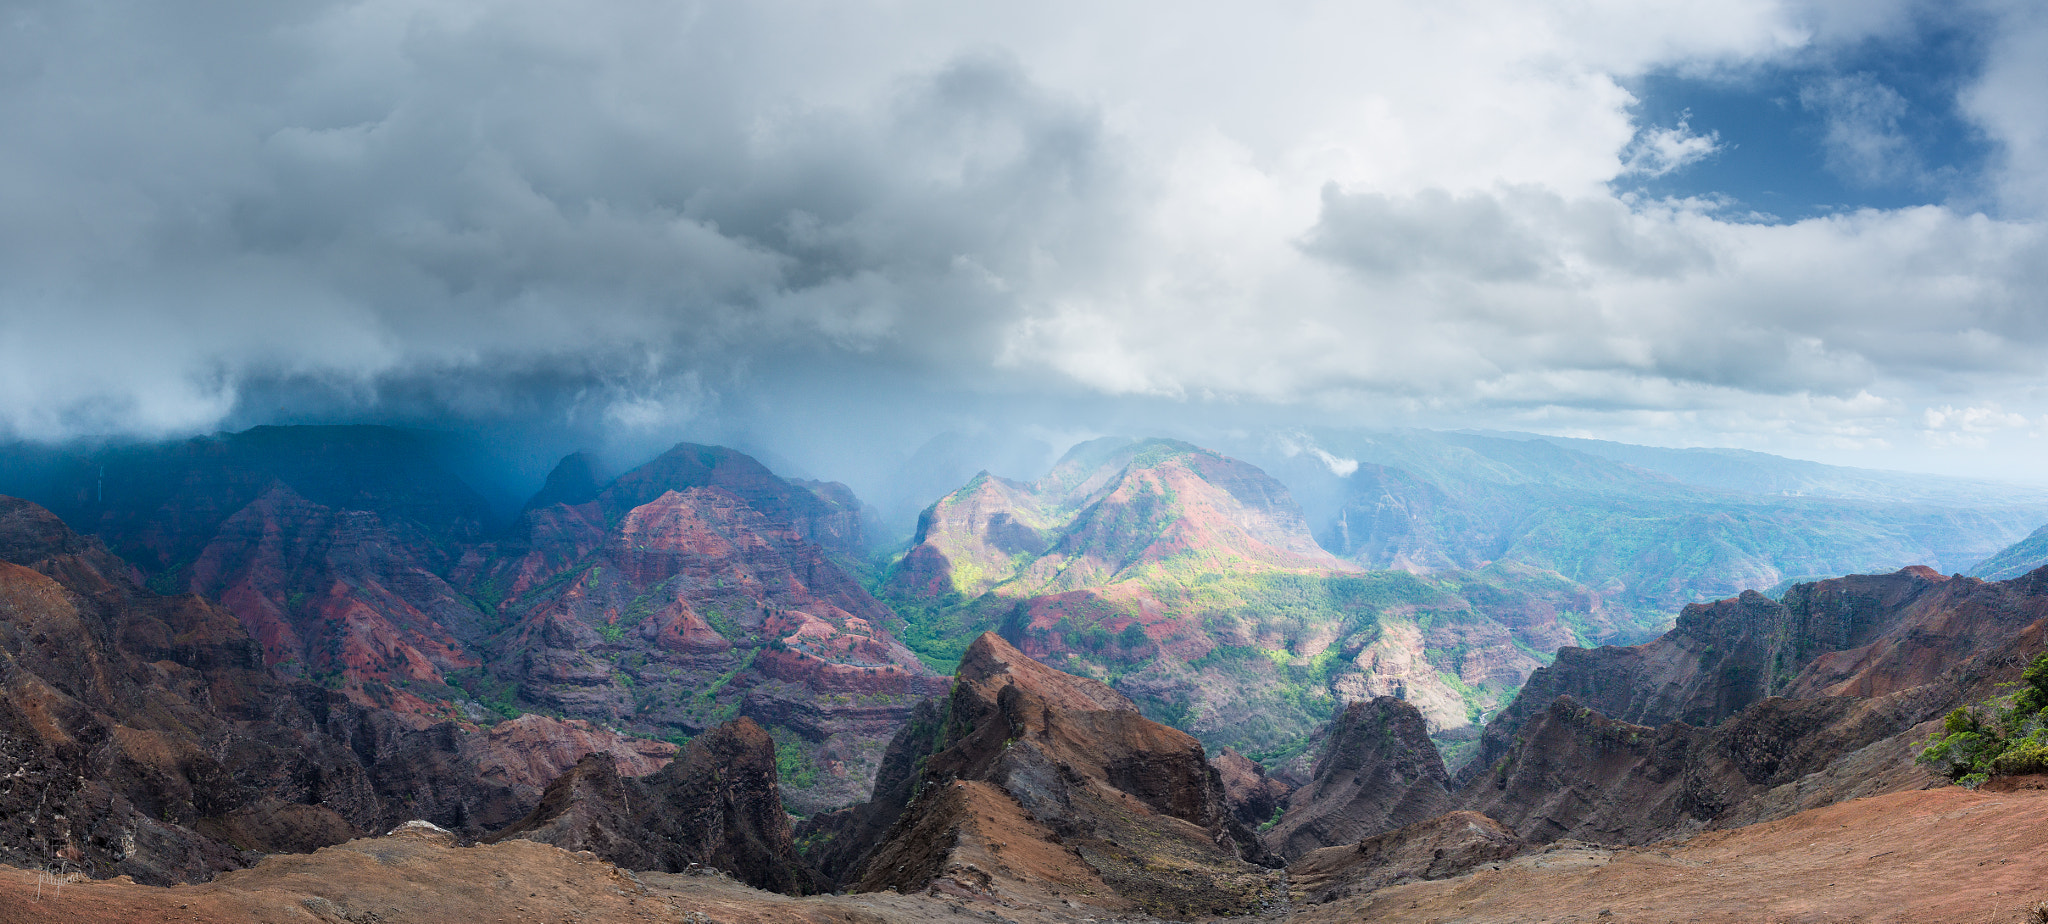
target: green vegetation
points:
(171, 581)
(723, 624)
(793, 764)
(938, 632)
(708, 697)
(2002, 737)
(499, 696)
(548, 588)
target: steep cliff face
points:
(1254, 798)
(837, 844)
(671, 610)
(1828, 698)
(525, 754)
(716, 805)
(1378, 771)
(330, 544)
(1862, 635)
(335, 593)
(150, 740)
(119, 711)
(1048, 784)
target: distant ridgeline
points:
(1449, 565)
(691, 590)
(2016, 559)
(1649, 529)
(700, 587)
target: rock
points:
(527, 753)
(697, 585)
(1439, 848)
(1254, 798)
(845, 838)
(1864, 635)
(148, 739)
(716, 805)
(1378, 771)
(1049, 784)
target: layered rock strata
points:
(1048, 784)
(716, 805)
(1378, 771)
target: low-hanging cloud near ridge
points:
(638, 213)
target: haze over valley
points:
(910, 462)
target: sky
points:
(831, 231)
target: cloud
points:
(1659, 151)
(1296, 443)
(650, 216)
(1968, 427)
(2006, 102)
(1864, 142)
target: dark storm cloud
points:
(641, 220)
(313, 192)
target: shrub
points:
(2002, 737)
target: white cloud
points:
(1357, 208)
(1967, 427)
(1659, 151)
(1864, 142)
(2006, 101)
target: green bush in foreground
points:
(1996, 738)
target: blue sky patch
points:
(1874, 124)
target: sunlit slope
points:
(1191, 582)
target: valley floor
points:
(1943, 855)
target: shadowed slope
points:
(1048, 784)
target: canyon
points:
(1136, 687)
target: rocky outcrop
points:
(1439, 848)
(1864, 635)
(525, 754)
(1378, 771)
(1047, 783)
(666, 611)
(1864, 666)
(146, 737)
(1253, 797)
(838, 843)
(717, 805)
